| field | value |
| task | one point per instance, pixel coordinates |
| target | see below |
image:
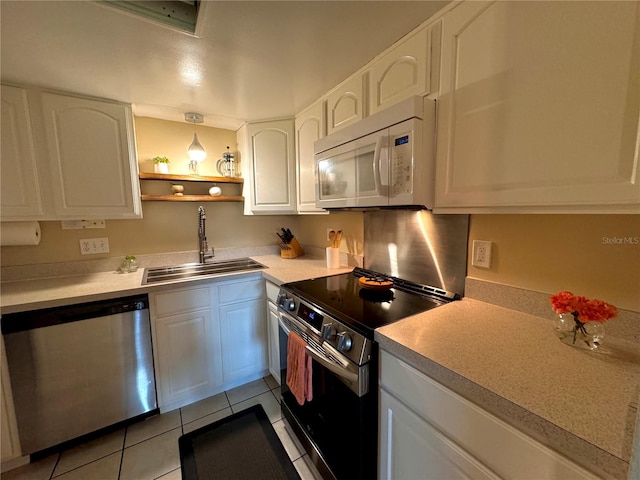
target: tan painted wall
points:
(313, 230)
(586, 254)
(172, 139)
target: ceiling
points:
(252, 60)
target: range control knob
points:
(328, 331)
(280, 299)
(344, 342)
(289, 304)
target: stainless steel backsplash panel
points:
(418, 246)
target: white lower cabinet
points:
(207, 339)
(274, 341)
(411, 448)
(243, 334)
(429, 432)
(186, 342)
(273, 329)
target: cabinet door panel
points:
(184, 300)
(539, 105)
(402, 72)
(345, 105)
(240, 290)
(185, 365)
(503, 448)
(309, 128)
(410, 448)
(243, 336)
(20, 183)
(89, 147)
(272, 177)
(273, 335)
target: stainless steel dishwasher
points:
(79, 368)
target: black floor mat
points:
(243, 446)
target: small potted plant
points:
(161, 164)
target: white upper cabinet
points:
(310, 126)
(539, 108)
(409, 68)
(346, 104)
(19, 172)
(92, 157)
(67, 157)
(268, 163)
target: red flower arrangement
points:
(583, 310)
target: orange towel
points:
(298, 369)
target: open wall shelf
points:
(191, 178)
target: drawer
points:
(240, 290)
(504, 449)
(182, 300)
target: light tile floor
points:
(148, 450)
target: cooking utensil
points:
(335, 238)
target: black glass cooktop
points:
(362, 308)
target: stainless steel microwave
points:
(385, 160)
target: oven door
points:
(338, 427)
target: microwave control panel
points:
(401, 163)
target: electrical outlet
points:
(481, 254)
(90, 246)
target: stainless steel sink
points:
(192, 270)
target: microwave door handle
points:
(381, 164)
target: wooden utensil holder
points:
(294, 250)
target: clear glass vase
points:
(572, 331)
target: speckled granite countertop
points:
(39, 293)
(580, 403)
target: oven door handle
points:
(329, 365)
(282, 325)
(339, 370)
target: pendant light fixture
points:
(196, 151)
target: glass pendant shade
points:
(196, 152)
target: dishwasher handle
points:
(47, 317)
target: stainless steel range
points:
(336, 316)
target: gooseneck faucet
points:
(202, 236)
